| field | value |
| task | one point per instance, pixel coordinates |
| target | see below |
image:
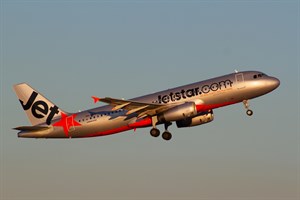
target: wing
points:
(142, 109)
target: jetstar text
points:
(184, 94)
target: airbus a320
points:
(187, 106)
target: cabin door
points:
(239, 78)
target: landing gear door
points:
(239, 78)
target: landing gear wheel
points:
(246, 104)
(166, 135)
(249, 112)
(154, 132)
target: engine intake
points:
(201, 118)
(180, 112)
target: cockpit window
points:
(259, 75)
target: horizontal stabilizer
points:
(32, 128)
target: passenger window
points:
(255, 76)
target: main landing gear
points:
(167, 135)
(246, 104)
(155, 132)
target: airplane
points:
(187, 106)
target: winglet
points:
(96, 99)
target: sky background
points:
(71, 50)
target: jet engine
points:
(201, 118)
(181, 112)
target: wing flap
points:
(142, 109)
(117, 107)
(137, 109)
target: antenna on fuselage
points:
(236, 71)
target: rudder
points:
(37, 107)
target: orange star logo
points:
(66, 122)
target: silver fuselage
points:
(207, 95)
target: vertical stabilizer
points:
(38, 108)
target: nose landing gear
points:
(249, 112)
(246, 104)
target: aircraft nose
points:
(273, 83)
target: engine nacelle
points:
(201, 118)
(180, 112)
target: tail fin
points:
(38, 108)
